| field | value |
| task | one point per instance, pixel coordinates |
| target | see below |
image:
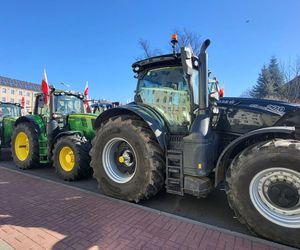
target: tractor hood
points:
(242, 115)
(82, 123)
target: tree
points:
(186, 38)
(276, 77)
(291, 73)
(144, 45)
(264, 87)
(270, 82)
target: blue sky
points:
(96, 41)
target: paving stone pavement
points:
(40, 214)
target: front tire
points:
(263, 188)
(127, 160)
(25, 146)
(71, 158)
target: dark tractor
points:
(178, 135)
(9, 112)
(99, 107)
(58, 133)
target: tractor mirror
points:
(186, 59)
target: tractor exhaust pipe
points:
(203, 78)
(198, 146)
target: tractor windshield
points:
(11, 110)
(68, 104)
(167, 91)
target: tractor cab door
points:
(167, 91)
(41, 109)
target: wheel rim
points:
(22, 146)
(67, 158)
(119, 160)
(275, 193)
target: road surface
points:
(213, 210)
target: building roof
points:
(9, 82)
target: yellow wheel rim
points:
(67, 158)
(22, 146)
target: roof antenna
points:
(174, 42)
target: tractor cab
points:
(68, 103)
(62, 102)
(9, 110)
(169, 88)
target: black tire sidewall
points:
(131, 189)
(240, 183)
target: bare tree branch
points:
(144, 45)
(291, 73)
(188, 38)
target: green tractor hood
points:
(82, 123)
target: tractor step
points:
(174, 173)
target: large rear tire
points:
(71, 158)
(25, 146)
(263, 189)
(127, 160)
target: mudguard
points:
(222, 164)
(66, 133)
(35, 120)
(155, 122)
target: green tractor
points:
(58, 134)
(9, 112)
(183, 135)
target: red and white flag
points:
(45, 88)
(86, 90)
(86, 101)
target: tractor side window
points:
(167, 91)
(41, 108)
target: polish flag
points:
(45, 88)
(86, 102)
(86, 89)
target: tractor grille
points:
(176, 142)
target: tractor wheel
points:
(25, 146)
(263, 189)
(127, 159)
(71, 158)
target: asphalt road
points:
(213, 210)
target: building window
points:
(20, 101)
(12, 91)
(20, 92)
(12, 100)
(28, 93)
(3, 99)
(4, 90)
(27, 102)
